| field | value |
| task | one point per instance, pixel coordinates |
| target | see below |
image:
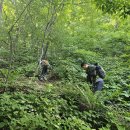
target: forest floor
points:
(27, 83)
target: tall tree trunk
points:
(1, 6)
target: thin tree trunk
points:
(11, 42)
(51, 22)
(1, 7)
(48, 28)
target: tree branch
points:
(11, 28)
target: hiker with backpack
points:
(95, 75)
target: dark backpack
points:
(100, 72)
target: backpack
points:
(100, 71)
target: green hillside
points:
(66, 33)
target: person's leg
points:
(98, 85)
(44, 72)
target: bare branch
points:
(11, 28)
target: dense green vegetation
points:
(69, 31)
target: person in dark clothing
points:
(93, 77)
(44, 69)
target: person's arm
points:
(89, 78)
